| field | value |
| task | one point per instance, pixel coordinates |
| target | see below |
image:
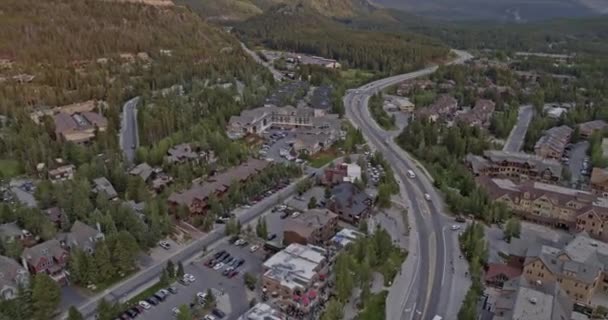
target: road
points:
(518, 134)
(429, 290)
(129, 137)
(275, 73)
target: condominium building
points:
(553, 143)
(515, 165)
(315, 226)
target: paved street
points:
(576, 156)
(129, 138)
(516, 138)
(275, 73)
(430, 292)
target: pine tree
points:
(102, 259)
(180, 270)
(45, 297)
(170, 269)
(74, 314)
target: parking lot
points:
(575, 160)
(234, 301)
(275, 141)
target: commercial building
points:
(586, 129)
(350, 203)
(541, 202)
(396, 103)
(553, 143)
(78, 127)
(515, 165)
(315, 226)
(263, 311)
(599, 182)
(343, 172)
(294, 276)
(195, 198)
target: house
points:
(160, 182)
(78, 127)
(396, 103)
(47, 257)
(349, 203)
(499, 273)
(104, 186)
(81, 236)
(343, 172)
(62, 173)
(522, 300)
(444, 108)
(195, 198)
(586, 129)
(11, 232)
(12, 277)
(479, 115)
(599, 182)
(185, 152)
(143, 170)
(315, 226)
(515, 165)
(553, 143)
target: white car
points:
(455, 227)
(165, 245)
(175, 310)
(254, 248)
(209, 317)
(427, 197)
(218, 266)
(239, 242)
(190, 278)
(201, 295)
(145, 305)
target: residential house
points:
(195, 198)
(444, 108)
(160, 182)
(81, 236)
(11, 232)
(56, 216)
(142, 170)
(78, 127)
(294, 276)
(553, 143)
(586, 129)
(47, 257)
(499, 273)
(479, 115)
(540, 202)
(104, 186)
(185, 152)
(12, 277)
(599, 182)
(522, 300)
(350, 203)
(515, 165)
(315, 226)
(62, 173)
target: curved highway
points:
(430, 287)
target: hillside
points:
(499, 10)
(302, 29)
(231, 10)
(62, 51)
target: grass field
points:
(322, 158)
(9, 168)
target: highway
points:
(429, 290)
(129, 137)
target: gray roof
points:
(10, 230)
(12, 275)
(143, 170)
(523, 300)
(45, 249)
(103, 185)
(349, 198)
(81, 236)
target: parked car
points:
(145, 305)
(165, 245)
(218, 313)
(455, 227)
(254, 248)
(152, 301)
(460, 219)
(172, 289)
(233, 273)
(189, 277)
(284, 215)
(218, 266)
(209, 317)
(133, 313)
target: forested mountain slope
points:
(61, 51)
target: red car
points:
(233, 274)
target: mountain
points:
(499, 10)
(231, 10)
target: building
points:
(104, 186)
(345, 237)
(81, 236)
(594, 220)
(258, 120)
(185, 152)
(195, 198)
(12, 277)
(540, 202)
(315, 226)
(142, 170)
(586, 129)
(515, 165)
(62, 173)
(292, 276)
(444, 108)
(394, 103)
(78, 127)
(350, 203)
(479, 115)
(578, 264)
(553, 143)
(263, 311)
(499, 273)
(599, 182)
(522, 300)
(47, 257)
(343, 172)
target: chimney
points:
(98, 227)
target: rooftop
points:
(309, 221)
(262, 311)
(296, 265)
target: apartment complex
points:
(480, 115)
(599, 182)
(540, 202)
(444, 108)
(579, 266)
(553, 144)
(293, 276)
(586, 129)
(515, 165)
(195, 198)
(315, 226)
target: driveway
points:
(518, 134)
